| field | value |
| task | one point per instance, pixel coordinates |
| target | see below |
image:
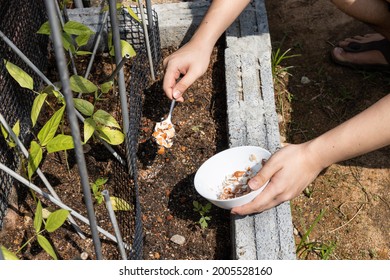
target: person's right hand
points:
(183, 67)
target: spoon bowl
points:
(164, 131)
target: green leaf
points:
(37, 106)
(45, 244)
(77, 28)
(67, 42)
(82, 85)
(101, 181)
(50, 128)
(56, 219)
(89, 128)
(106, 87)
(83, 106)
(82, 39)
(34, 158)
(133, 14)
(16, 128)
(4, 131)
(111, 136)
(60, 142)
(126, 49)
(38, 217)
(118, 204)
(21, 77)
(83, 53)
(8, 255)
(103, 118)
(44, 29)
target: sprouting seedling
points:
(117, 203)
(42, 224)
(203, 210)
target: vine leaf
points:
(34, 158)
(8, 255)
(103, 118)
(45, 244)
(56, 219)
(77, 28)
(49, 129)
(118, 204)
(21, 77)
(60, 142)
(37, 106)
(38, 217)
(81, 85)
(89, 128)
(111, 136)
(83, 106)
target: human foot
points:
(369, 52)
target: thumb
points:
(265, 174)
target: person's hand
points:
(290, 170)
(188, 63)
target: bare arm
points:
(191, 61)
(294, 167)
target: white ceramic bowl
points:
(211, 174)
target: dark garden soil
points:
(354, 194)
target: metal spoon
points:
(169, 117)
(164, 131)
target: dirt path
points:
(354, 194)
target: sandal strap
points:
(382, 45)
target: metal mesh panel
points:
(19, 21)
(137, 81)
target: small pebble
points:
(178, 239)
(305, 80)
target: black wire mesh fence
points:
(19, 21)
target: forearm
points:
(220, 15)
(367, 131)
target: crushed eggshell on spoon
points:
(164, 131)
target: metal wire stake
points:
(70, 109)
(114, 222)
(118, 56)
(95, 47)
(119, 67)
(147, 42)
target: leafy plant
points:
(41, 225)
(97, 188)
(74, 36)
(307, 247)
(203, 210)
(48, 139)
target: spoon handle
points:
(171, 109)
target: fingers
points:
(266, 172)
(268, 198)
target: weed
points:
(277, 58)
(202, 210)
(307, 247)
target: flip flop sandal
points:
(354, 47)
